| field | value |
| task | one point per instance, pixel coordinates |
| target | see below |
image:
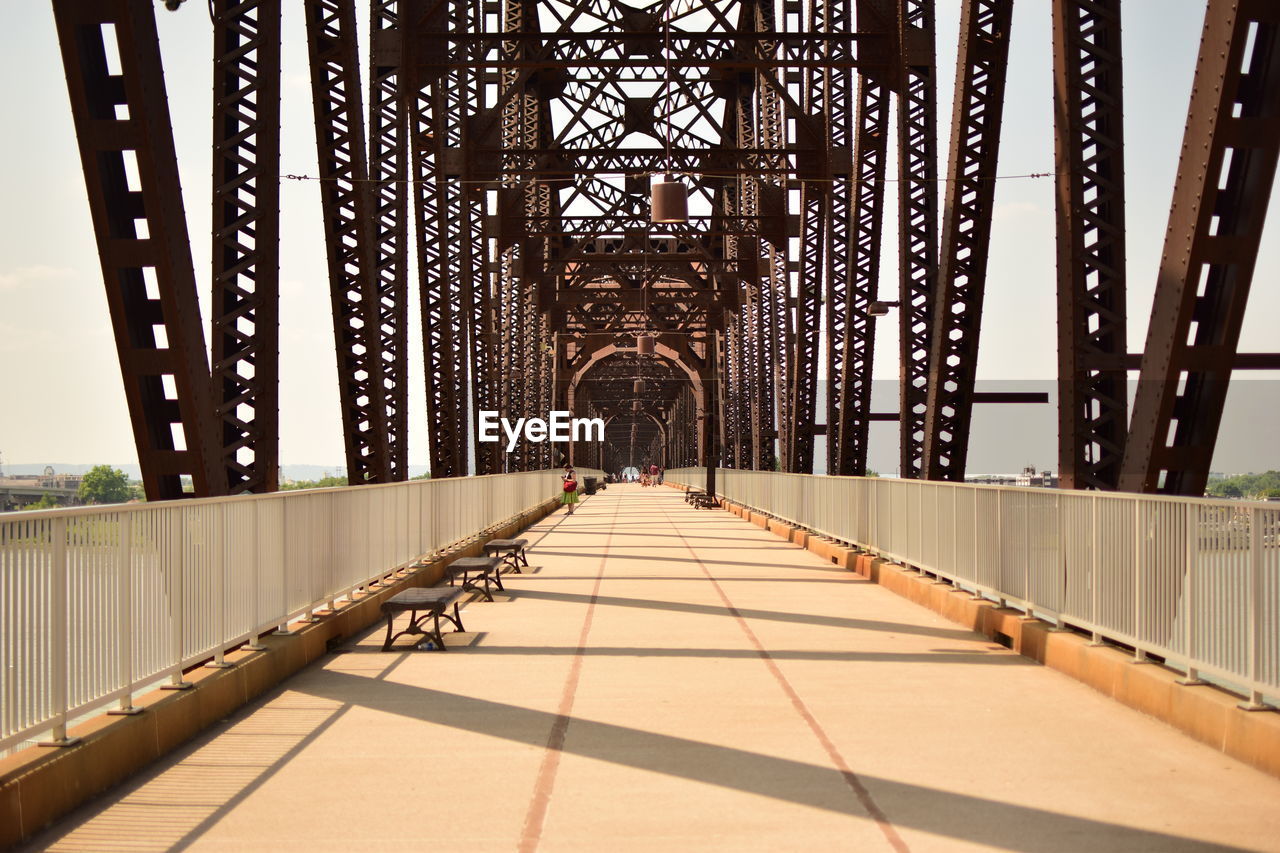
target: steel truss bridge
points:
(506, 146)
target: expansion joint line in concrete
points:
(851, 779)
(545, 783)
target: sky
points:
(61, 397)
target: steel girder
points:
(966, 229)
(821, 111)
(347, 208)
(917, 222)
(437, 117)
(1089, 137)
(857, 206)
(389, 171)
(245, 326)
(1220, 200)
(839, 280)
(852, 336)
(131, 177)
(774, 316)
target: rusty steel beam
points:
(857, 215)
(854, 338)
(347, 207)
(131, 177)
(1220, 201)
(433, 131)
(982, 65)
(917, 222)
(388, 171)
(1089, 141)
(245, 334)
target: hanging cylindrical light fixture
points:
(638, 386)
(668, 201)
(644, 344)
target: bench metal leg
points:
(473, 586)
(436, 631)
(386, 644)
(456, 618)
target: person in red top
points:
(569, 493)
(653, 475)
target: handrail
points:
(1193, 581)
(98, 602)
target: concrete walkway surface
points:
(675, 679)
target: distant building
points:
(1029, 478)
(21, 490)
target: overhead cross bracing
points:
(505, 153)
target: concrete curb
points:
(1204, 712)
(38, 785)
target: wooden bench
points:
(511, 551)
(476, 570)
(432, 603)
(691, 494)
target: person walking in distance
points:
(569, 493)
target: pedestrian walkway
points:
(675, 679)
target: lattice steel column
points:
(347, 209)
(853, 339)
(245, 333)
(917, 222)
(1220, 203)
(1092, 342)
(389, 169)
(839, 277)
(966, 231)
(436, 129)
(123, 130)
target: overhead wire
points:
(740, 173)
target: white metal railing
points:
(98, 602)
(1190, 580)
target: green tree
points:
(47, 501)
(105, 485)
(1245, 485)
(328, 481)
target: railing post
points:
(1188, 598)
(58, 631)
(1059, 624)
(1027, 557)
(219, 567)
(977, 542)
(124, 613)
(1254, 702)
(177, 555)
(1002, 600)
(1139, 654)
(283, 628)
(1095, 575)
(255, 543)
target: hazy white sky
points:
(61, 397)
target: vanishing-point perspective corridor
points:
(668, 678)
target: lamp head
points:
(668, 201)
